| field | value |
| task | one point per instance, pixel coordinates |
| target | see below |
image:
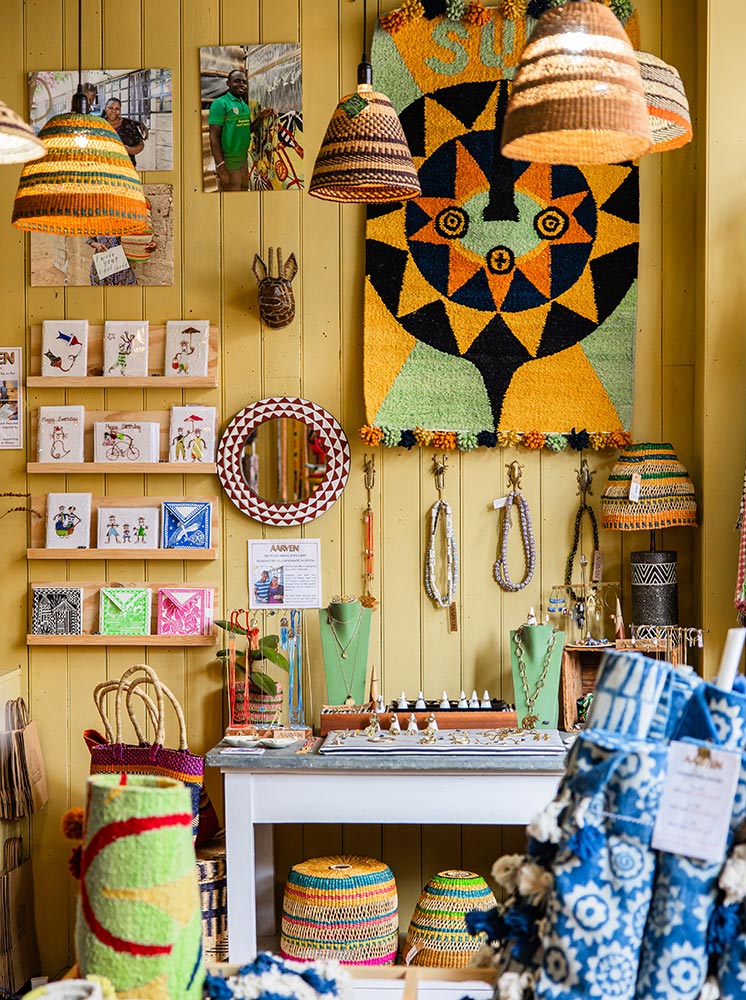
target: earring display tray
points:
(162, 417)
(156, 365)
(447, 742)
(91, 635)
(335, 717)
(98, 504)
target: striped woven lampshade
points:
(18, 142)
(344, 908)
(577, 92)
(666, 498)
(86, 183)
(438, 927)
(668, 107)
(365, 156)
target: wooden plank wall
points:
(318, 356)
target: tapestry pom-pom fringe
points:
(455, 9)
(533, 440)
(444, 440)
(511, 10)
(413, 10)
(556, 442)
(476, 13)
(467, 440)
(508, 439)
(434, 8)
(371, 435)
(394, 21)
(73, 824)
(423, 437)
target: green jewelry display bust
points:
(536, 657)
(345, 634)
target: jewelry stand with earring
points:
(345, 634)
(536, 657)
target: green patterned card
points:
(124, 611)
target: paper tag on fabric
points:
(413, 951)
(697, 802)
(634, 488)
(108, 262)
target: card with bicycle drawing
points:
(126, 441)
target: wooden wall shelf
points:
(96, 380)
(38, 549)
(91, 636)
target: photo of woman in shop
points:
(133, 134)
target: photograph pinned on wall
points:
(64, 347)
(68, 520)
(126, 441)
(137, 103)
(146, 259)
(126, 348)
(187, 348)
(60, 434)
(128, 526)
(11, 397)
(192, 434)
(252, 117)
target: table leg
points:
(240, 854)
(264, 848)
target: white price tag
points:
(497, 504)
(108, 262)
(697, 802)
(634, 488)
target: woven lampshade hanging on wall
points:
(18, 142)
(86, 183)
(666, 500)
(577, 93)
(344, 908)
(438, 927)
(668, 107)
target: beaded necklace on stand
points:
(368, 600)
(442, 509)
(514, 496)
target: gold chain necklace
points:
(529, 721)
(343, 647)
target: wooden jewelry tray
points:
(472, 718)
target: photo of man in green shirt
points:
(229, 122)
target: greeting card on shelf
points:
(68, 520)
(57, 611)
(186, 524)
(124, 611)
(192, 434)
(185, 611)
(126, 441)
(128, 527)
(60, 434)
(64, 347)
(187, 348)
(126, 348)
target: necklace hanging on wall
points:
(514, 498)
(585, 477)
(368, 600)
(441, 511)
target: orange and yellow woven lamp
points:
(649, 488)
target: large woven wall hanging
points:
(504, 297)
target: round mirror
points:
(283, 460)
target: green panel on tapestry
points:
(611, 351)
(426, 378)
(400, 87)
(507, 266)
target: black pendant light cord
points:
(80, 101)
(365, 70)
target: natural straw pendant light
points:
(18, 143)
(577, 94)
(365, 155)
(668, 107)
(86, 184)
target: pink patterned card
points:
(185, 610)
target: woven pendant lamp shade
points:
(438, 925)
(668, 107)
(666, 492)
(365, 156)
(344, 908)
(85, 185)
(577, 93)
(18, 143)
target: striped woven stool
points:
(344, 908)
(438, 925)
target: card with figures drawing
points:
(64, 347)
(128, 527)
(192, 434)
(68, 520)
(60, 434)
(126, 348)
(187, 348)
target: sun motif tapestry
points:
(503, 299)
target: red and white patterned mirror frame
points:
(231, 451)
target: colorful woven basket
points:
(343, 908)
(213, 895)
(437, 933)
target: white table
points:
(284, 787)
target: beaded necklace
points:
(431, 587)
(502, 576)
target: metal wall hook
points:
(369, 473)
(515, 474)
(439, 471)
(585, 481)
